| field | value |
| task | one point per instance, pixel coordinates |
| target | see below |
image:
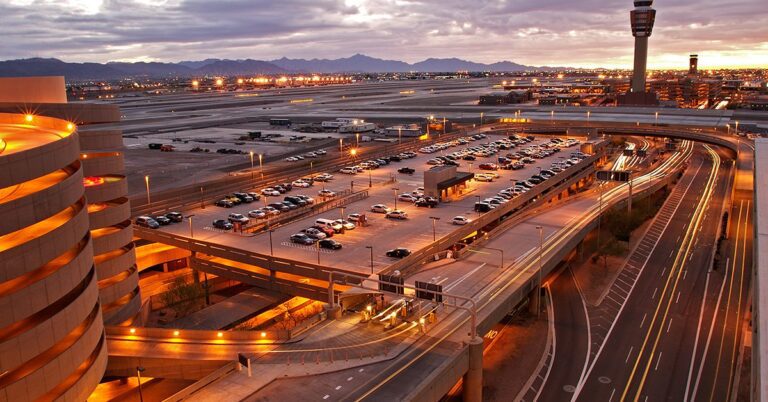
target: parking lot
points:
(380, 233)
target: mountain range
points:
(357, 63)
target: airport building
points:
(51, 327)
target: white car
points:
(300, 184)
(407, 197)
(397, 214)
(380, 209)
(326, 193)
(315, 233)
(233, 217)
(270, 192)
(257, 213)
(321, 152)
(348, 170)
(483, 177)
(348, 225)
(291, 159)
(459, 220)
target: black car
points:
(395, 158)
(406, 170)
(399, 252)
(429, 202)
(244, 197)
(222, 224)
(330, 244)
(255, 196)
(286, 186)
(175, 216)
(279, 206)
(302, 238)
(289, 204)
(469, 157)
(224, 203)
(483, 207)
(280, 188)
(162, 220)
(295, 200)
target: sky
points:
(573, 33)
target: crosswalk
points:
(305, 247)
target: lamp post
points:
(146, 182)
(202, 204)
(318, 251)
(657, 119)
(541, 251)
(342, 212)
(251, 154)
(552, 116)
(271, 251)
(481, 118)
(444, 125)
(395, 190)
(370, 179)
(434, 233)
(589, 113)
(371, 248)
(191, 230)
(341, 145)
(737, 127)
(261, 165)
(357, 140)
(399, 135)
(139, 370)
(599, 213)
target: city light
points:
(29, 118)
(219, 82)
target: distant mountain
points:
(236, 67)
(151, 69)
(40, 67)
(357, 63)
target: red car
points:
(488, 166)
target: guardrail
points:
(304, 269)
(566, 177)
(198, 336)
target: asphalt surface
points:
(650, 349)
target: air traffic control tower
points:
(642, 19)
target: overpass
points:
(516, 282)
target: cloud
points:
(537, 32)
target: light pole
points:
(202, 204)
(251, 153)
(357, 140)
(318, 251)
(191, 230)
(552, 116)
(139, 370)
(370, 179)
(589, 113)
(271, 251)
(444, 125)
(737, 127)
(341, 145)
(342, 212)
(599, 213)
(481, 118)
(311, 167)
(146, 182)
(541, 251)
(261, 165)
(399, 135)
(657, 119)
(371, 248)
(434, 233)
(395, 190)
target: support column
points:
(472, 391)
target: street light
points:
(370, 179)
(588, 114)
(357, 140)
(481, 118)
(341, 145)
(271, 251)
(434, 234)
(342, 212)
(395, 191)
(251, 153)
(552, 116)
(371, 248)
(146, 181)
(657, 119)
(140, 370)
(399, 135)
(318, 251)
(191, 231)
(541, 251)
(261, 165)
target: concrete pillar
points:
(165, 267)
(333, 312)
(472, 390)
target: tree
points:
(182, 296)
(610, 248)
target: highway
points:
(652, 343)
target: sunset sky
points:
(574, 33)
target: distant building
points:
(507, 98)
(405, 130)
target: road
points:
(652, 346)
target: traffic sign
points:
(394, 284)
(613, 175)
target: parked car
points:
(315, 233)
(329, 232)
(347, 225)
(397, 214)
(380, 209)
(406, 197)
(399, 252)
(406, 170)
(459, 220)
(224, 203)
(244, 197)
(147, 222)
(302, 238)
(238, 218)
(270, 211)
(162, 220)
(222, 224)
(429, 202)
(257, 213)
(330, 244)
(254, 195)
(483, 207)
(269, 191)
(300, 184)
(326, 193)
(175, 216)
(280, 206)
